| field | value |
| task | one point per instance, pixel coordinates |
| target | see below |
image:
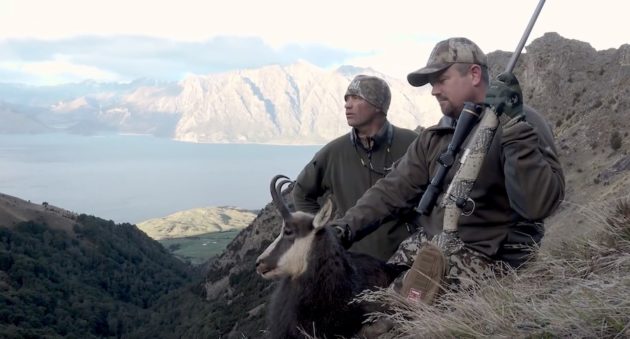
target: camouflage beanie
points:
(371, 89)
(445, 53)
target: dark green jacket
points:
(520, 183)
(345, 169)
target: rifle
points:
(457, 195)
(468, 118)
(458, 192)
(431, 264)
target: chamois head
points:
(288, 253)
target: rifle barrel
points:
(512, 63)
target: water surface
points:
(133, 178)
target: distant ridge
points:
(197, 221)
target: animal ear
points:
(325, 214)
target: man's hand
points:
(504, 95)
(343, 233)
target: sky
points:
(52, 42)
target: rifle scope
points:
(467, 120)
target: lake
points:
(130, 178)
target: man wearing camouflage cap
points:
(347, 166)
(520, 182)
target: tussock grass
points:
(574, 289)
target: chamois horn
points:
(276, 195)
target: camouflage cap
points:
(372, 89)
(446, 53)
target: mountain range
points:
(295, 104)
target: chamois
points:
(318, 277)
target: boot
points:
(424, 279)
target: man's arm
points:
(391, 195)
(533, 175)
(308, 186)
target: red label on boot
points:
(414, 295)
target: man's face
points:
(452, 89)
(359, 112)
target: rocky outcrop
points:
(585, 94)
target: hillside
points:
(198, 249)
(584, 93)
(197, 221)
(229, 300)
(77, 276)
(15, 210)
(574, 289)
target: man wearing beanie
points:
(520, 182)
(347, 166)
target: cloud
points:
(55, 71)
(124, 58)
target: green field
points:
(198, 249)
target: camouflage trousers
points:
(466, 267)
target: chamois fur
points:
(316, 298)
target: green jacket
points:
(342, 168)
(520, 183)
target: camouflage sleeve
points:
(308, 186)
(533, 176)
(390, 196)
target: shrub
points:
(615, 140)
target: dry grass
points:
(574, 289)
